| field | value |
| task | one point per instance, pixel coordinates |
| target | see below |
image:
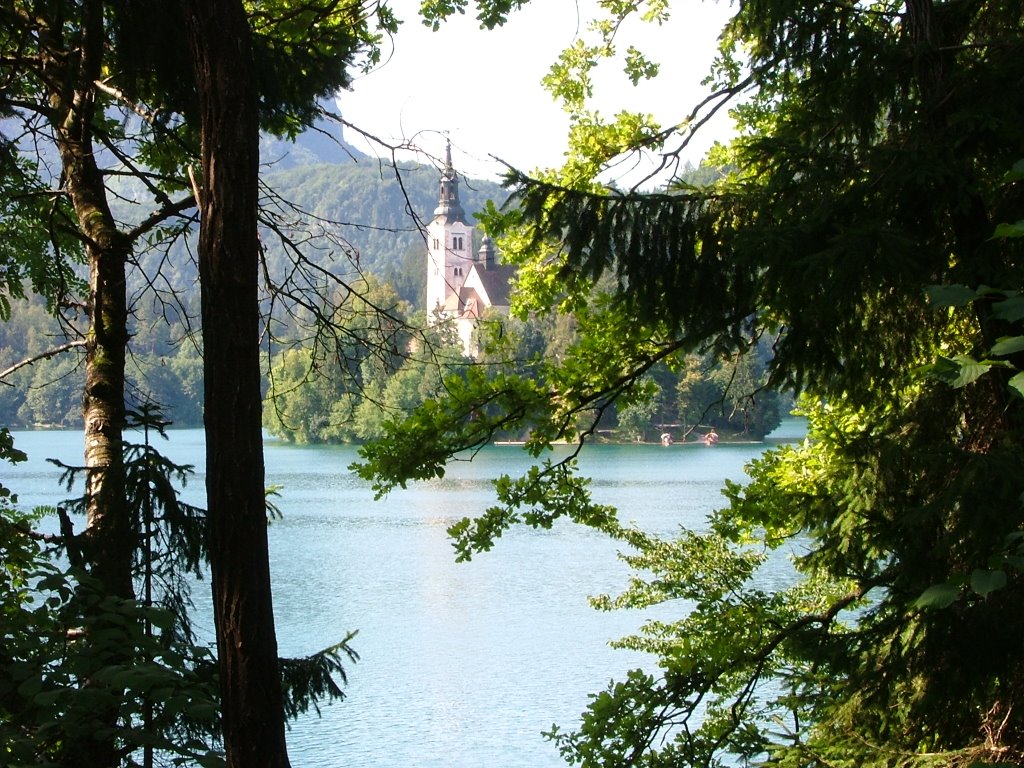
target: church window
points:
(457, 242)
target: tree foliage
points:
(377, 370)
(377, 367)
(867, 231)
(64, 661)
(97, 109)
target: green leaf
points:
(970, 371)
(985, 581)
(1016, 173)
(1011, 308)
(938, 596)
(943, 369)
(950, 295)
(1009, 230)
(1008, 345)
(1017, 383)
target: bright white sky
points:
(482, 88)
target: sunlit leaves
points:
(594, 141)
(545, 494)
(871, 164)
(569, 79)
(34, 256)
(711, 695)
(490, 13)
(475, 408)
(638, 66)
(600, 366)
(1003, 354)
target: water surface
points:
(463, 665)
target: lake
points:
(462, 665)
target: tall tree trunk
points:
(109, 537)
(253, 712)
(110, 542)
(109, 532)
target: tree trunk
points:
(253, 713)
(110, 544)
(109, 538)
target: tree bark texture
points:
(72, 99)
(252, 706)
(70, 67)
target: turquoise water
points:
(462, 664)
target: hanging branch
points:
(41, 356)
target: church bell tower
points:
(449, 246)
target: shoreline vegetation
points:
(696, 439)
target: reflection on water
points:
(462, 665)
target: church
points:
(461, 282)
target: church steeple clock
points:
(449, 245)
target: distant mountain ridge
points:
(324, 142)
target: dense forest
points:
(349, 393)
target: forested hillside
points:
(355, 216)
(315, 186)
(378, 210)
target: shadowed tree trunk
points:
(253, 713)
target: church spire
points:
(448, 204)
